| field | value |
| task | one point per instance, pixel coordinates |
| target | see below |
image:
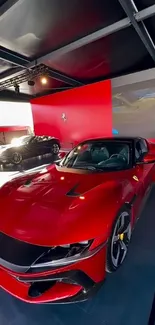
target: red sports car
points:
(63, 228)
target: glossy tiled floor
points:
(10, 171)
(125, 298)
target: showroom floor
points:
(125, 298)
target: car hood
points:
(5, 147)
(54, 206)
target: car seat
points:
(85, 157)
(125, 153)
(99, 154)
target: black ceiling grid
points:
(72, 51)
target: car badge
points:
(64, 118)
(135, 178)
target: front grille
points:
(19, 253)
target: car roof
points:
(128, 139)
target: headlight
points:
(62, 255)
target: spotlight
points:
(16, 89)
(31, 83)
(43, 80)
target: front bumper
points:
(73, 283)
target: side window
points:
(39, 139)
(140, 149)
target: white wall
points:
(14, 114)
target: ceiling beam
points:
(64, 78)
(13, 72)
(78, 43)
(39, 71)
(13, 58)
(145, 13)
(145, 79)
(108, 30)
(95, 36)
(16, 72)
(7, 6)
(131, 10)
(101, 33)
(135, 17)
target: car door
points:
(133, 182)
(139, 177)
(42, 145)
(133, 190)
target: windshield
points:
(94, 155)
(25, 138)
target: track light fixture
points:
(31, 83)
(17, 88)
(27, 76)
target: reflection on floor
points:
(125, 298)
(10, 171)
(28, 164)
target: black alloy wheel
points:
(55, 149)
(119, 241)
(16, 158)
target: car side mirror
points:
(148, 159)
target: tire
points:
(55, 149)
(119, 241)
(16, 158)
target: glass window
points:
(140, 149)
(104, 155)
(44, 138)
(34, 140)
(38, 139)
(41, 138)
(25, 139)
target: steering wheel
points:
(118, 155)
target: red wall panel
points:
(87, 110)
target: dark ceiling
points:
(73, 42)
